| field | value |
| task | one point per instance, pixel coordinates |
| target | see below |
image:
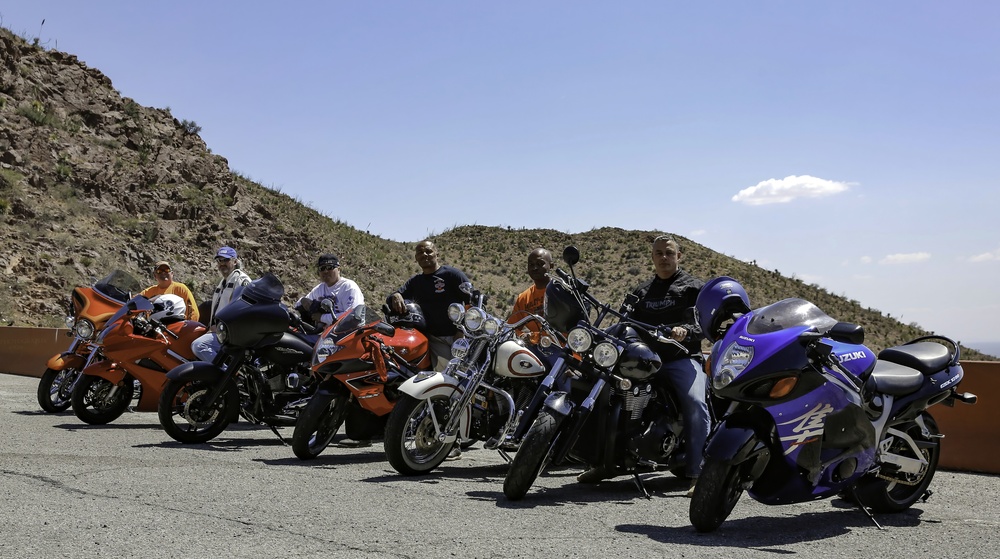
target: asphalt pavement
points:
(68, 489)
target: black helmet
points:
(412, 318)
(562, 309)
(719, 300)
(638, 361)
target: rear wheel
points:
(717, 492)
(318, 424)
(98, 401)
(900, 492)
(185, 415)
(54, 389)
(411, 443)
(534, 454)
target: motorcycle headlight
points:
(222, 332)
(606, 354)
(70, 321)
(491, 326)
(460, 348)
(579, 340)
(455, 312)
(474, 319)
(733, 361)
(325, 347)
(84, 329)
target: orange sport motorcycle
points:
(90, 307)
(360, 362)
(138, 345)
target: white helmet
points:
(168, 308)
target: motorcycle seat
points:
(893, 378)
(926, 357)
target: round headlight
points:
(70, 321)
(455, 312)
(491, 326)
(579, 340)
(324, 349)
(460, 348)
(474, 319)
(222, 332)
(84, 329)
(605, 354)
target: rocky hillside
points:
(91, 181)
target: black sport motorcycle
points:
(612, 414)
(260, 373)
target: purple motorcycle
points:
(810, 412)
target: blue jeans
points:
(689, 383)
(206, 347)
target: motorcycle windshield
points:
(265, 289)
(789, 313)
(118, 285)
(359, 316)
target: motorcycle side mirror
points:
(385, 329)
(466, 287)
(571, 255)
(326, 305)
(848, 333)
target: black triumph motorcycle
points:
(260, 373)
(611, 413)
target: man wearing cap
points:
(165, 284)
(207, 346)
(344, 293)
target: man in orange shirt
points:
(532, 300)
(165, 283)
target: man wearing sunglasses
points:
(228, 263)
(344, 293)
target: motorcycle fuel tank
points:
(515, 360)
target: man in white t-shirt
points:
(342, 292)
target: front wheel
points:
(54, 389)
(534, 454)
(318, 424)
(716, 493)
(903, 489)
(411, 442)
(185, 415)
(98, 401)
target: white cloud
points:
(781, 191)
(697, 233)
(866, 259)
(986, 256)
(911, 258)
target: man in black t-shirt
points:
(433, 289)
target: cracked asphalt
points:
(126, 489)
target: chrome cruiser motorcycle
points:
(812, 412)
(476, 398)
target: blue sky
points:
(851, 144)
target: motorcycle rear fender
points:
(106, 370)
(559, 403)
(66, 360)
(196, 370)
(427, 385)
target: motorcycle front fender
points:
(429, 384)
(733, 442)
(106, 370)
(67, 360)
(196, 370)
(559, 403)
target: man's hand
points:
(678, 333)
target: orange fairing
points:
(93, 305)
(65, 361)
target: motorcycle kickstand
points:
(640, 486)
(865, 509)
(504, 455)
(280, 438)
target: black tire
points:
(535, 453)
(885, 496)
(410, 442)
(318, 424)
(717, 492)
(187, 421)
(54, 394)
(98, 401)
